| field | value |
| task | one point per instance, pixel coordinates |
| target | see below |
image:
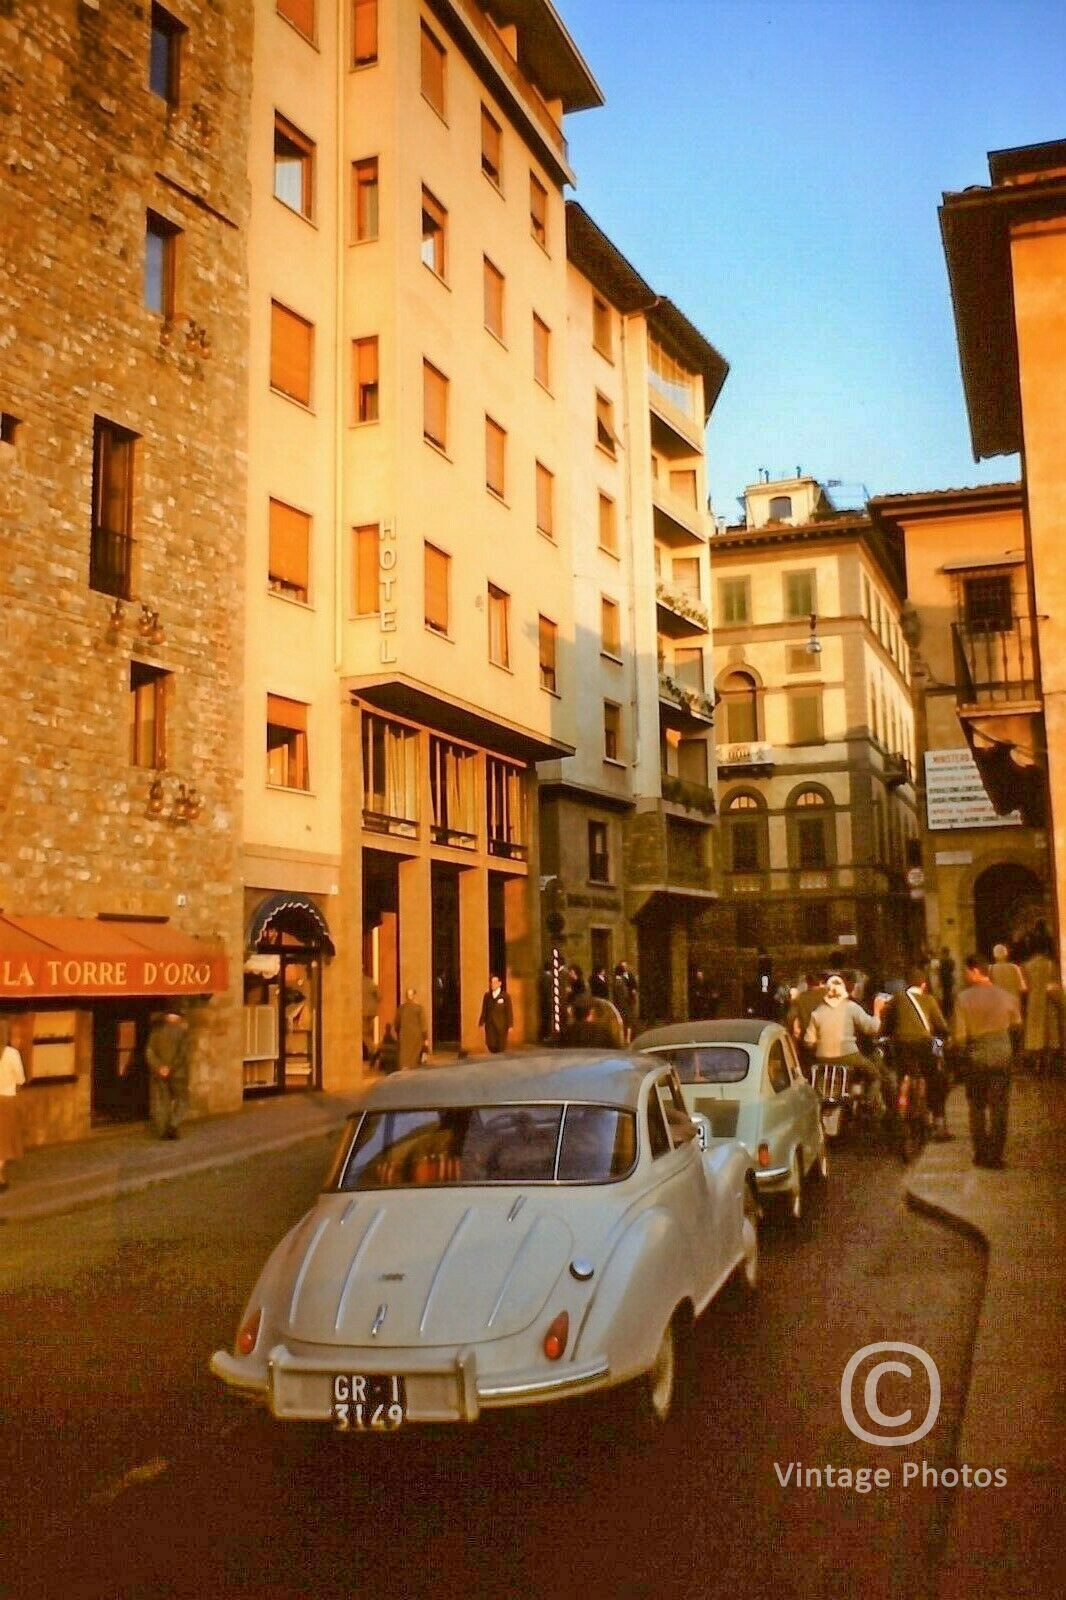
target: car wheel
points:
(654, 1391)
(794, 1193)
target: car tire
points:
(794, 1193)
(747, 1274)
(654, 1393)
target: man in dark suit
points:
(497, 1015)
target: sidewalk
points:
(1008, 1541)
(1002, 1541)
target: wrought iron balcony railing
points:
(994, 665)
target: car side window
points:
(658, 1138)
(777, 1068)
(795, 1071)
(678, 1122)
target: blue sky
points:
(775, 167)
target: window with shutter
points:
(290, 550)
(491, 148)
(366, 572)
(434, 58)
(437, 565)
(495, 458)
(545, 501)
(364, 32)
(538, 210)
(291, 344)
(435, 406)
(541, 352)
(365, 363)
(365, 198)
(499, 627)
(148, 702)
(286, 743)
(434, 234)
(301, 13)
(548, 636)
(493, 298)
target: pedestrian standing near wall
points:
(1044, 1022)
(12, 1077)
(981, 1034)
(497, 1015)
(168, 1063)
(1006, 974)
(411, 1033)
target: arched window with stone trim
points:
(740, 699)
(811, 828)
(747, 840)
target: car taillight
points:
(556, 1336)
(764, 1155)
(249, 1333)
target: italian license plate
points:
(368, 1402)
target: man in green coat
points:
(168, 1064)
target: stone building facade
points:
(123, 351)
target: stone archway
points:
(1008, 902)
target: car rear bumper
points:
(767, 1179)
(438, 1389)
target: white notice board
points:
(955, 796)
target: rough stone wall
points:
(87, 150)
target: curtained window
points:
(505, 804)
(390, 775)
(453, 789)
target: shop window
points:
(286, 743)
(111, 546)
(493, 286)
(499, 608)
(291, 349)
(434, 234)
(538, 210)
(491, 148)
(294, 162)
(437, 571)
(599, 863)
(434, 68)
(364, 32)
(365, 198)
(148, 715)
(549, 638)
(434, 406)
(290, 551)
(545, 488)
(161, 244)
(365, 365)
(366, 570)
(164, 62)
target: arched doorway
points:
(1008, 903)
(287, 940)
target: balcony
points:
(896, 771)
(999, 703)
(677, 522)
(692, 797)
(678, 615)
(682, 707)
(674, 427)
(753, 759)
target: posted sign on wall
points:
(955, 796)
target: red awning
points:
(50, 958)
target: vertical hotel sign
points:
(387, 561)
(955, 797)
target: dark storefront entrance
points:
(287, 939)
(120, 1071)
(446, 991)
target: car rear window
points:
(487, 1145)
(708, 1063)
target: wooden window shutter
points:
(435, 403)
(291, 339)
(545, 499)
(367, 581)
(437, 565)
(282, 713)
(301, 13)
(365, 32)
(290, 543)
(495, 451)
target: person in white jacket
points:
(832, 1035)
(12, 1077)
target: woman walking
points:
(12, 1077)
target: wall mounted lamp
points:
(813, 646)
(114, 623)
(186, 805)
(149, 627)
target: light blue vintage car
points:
(740, 1079)
(500, 1233)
